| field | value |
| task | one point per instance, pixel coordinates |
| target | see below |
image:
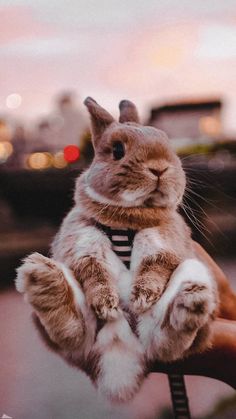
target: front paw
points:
(142, 298)
(106, 305)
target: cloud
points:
(147, 51)
(217, 42)
(118, 14)
(41, 48)
(20, 22)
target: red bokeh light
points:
(71, 153)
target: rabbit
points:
(108, 314)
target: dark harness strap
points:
(121, 240)
(179, 396)
(122, 243)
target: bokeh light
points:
(6, 150)
(59, 161)
(13, 101)
(210, 125)
(5, 131)
(71, 153)
(39, 161)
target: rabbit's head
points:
(134, 165)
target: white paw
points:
(106, 307)
(29, 269)
(106, 313)
(142, 299)
(140, 305)
(192, 307)
(38, 274)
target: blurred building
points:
(193, 119)
(6, 147)
(69, 121)
(41, 145)
(67, 124)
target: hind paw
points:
(42, 282)
(35, 271)
(46, 288)
(192, 307)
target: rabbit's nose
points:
(156, 172)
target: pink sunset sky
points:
(149, 51)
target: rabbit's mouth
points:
(157, 199)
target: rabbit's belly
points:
(122, 243)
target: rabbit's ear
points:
(100, 118)
(128, 112)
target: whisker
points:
(202, 211)
(208, 201)
(200, 223)
(195, 223)
(194, 156)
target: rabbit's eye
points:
(118, 150)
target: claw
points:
(143, 299)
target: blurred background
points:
(177, 62)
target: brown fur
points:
(146, 151)
(98, 287)
(151, 280)
(148, 286)
(50, 295)
(227, 304)
(43, 334)
(128, 112)
(152, 166)
(140, 190)
(92, 365)
(134, 218)
(111, 178)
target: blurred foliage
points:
(204, 148)
(166, 413)
(224, 409)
